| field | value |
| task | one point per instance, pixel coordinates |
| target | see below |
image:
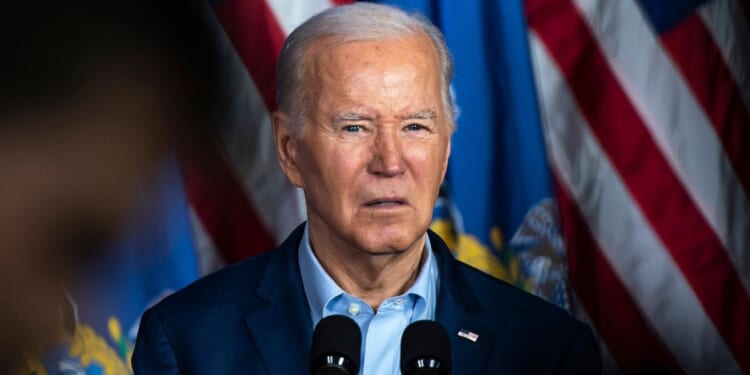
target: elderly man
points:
(364, 129)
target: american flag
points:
(645, 110)
(241, 202)
(645, 107)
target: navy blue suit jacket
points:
(253, 318)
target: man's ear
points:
(287, 147)
(447, 157)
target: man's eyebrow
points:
(427, 114)
(351, 116)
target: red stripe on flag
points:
(257, 37)
(221, 204)
(693, 49)
(341, 2)
(664, 201)
(609, 305)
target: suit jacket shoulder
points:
(250, 317)
(517, 331)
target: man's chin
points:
(393, 245)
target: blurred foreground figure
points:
(92, 96)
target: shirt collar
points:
(320, 288)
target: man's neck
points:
(373, 278)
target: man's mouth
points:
(386, 202)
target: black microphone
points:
(336, 346)
(425, 349)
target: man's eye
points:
(414, 127)
(352, 128)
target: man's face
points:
(374, 147)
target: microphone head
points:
(425, 349)
(336, 346)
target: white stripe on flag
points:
(726, 21)
(677, 122)
(630, 245)
(291, 13)
(248, 139)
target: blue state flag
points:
(496, 209)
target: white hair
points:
(350, 23)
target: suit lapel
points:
(459, 309)
(280, 325)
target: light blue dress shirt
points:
(381, 331)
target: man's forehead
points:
(329, 48)
(393, 79)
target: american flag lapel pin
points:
(471, 336)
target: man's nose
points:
(387, 160)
